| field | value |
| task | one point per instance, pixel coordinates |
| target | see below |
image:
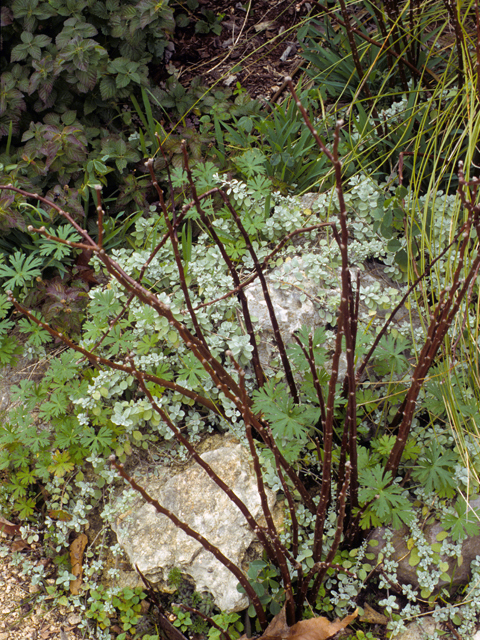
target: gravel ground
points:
(22, 618)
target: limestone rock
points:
(155, 545)
(300, 299)
(425, 627)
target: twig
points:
(199, 538)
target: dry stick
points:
(260, 531)
(291, 508)
(352, 397)
(313, 592)
(386, 36)
(228, 384)
(442, 319)
(223, 381)
(271, 311)
(210, 621)
(451, 6)
(178, 220)
(152, 255)
(100, 214)
(384, 328)
(414, 47)
(390, 8)
(199, 538)
(343, 328)
(171, 632)
(91, 244)
(257, 366)
(178, 261)
(349, 324)
(321, 512)
(465, 317)
(363, 78)
(281, 551)
(381, 45)
(310, 358)
(169, 178)
(266, 435)
(96, 360)
(70, 243)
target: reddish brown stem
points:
(199, 538)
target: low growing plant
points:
(223, 380)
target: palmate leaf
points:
(434, 470)
(462, 524)
(288, 420)
(59, 251)
(97, 442)
(61, 464)
(192, 371)
(23, 270)
(384, 501)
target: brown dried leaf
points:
(319, 628)
(9, 528)
(76, 559)
(313, 629)
(19, 545)
(371, 616)
(60, 514)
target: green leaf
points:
(384, 501)
(434, 470)
(464, 522)
(23, 270)
(289, 422)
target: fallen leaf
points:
(8, 527)
(261, 26)
(19, 545)
(319, 628)
(371, 616)
(76, 559)
(59, 514)
(314, 629)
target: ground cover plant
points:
(219, 379)
(184, 366)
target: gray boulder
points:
(154, 544)
(300, 298)
(405, 556)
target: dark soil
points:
(257, 46)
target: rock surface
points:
(154, 544)
(458, 568)
(299, 299)
(424, 628)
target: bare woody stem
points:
(271, 311)
(259, 375)
(199, 538)
(98, 360)
(259, 531)
(443, 316)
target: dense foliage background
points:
(88, 91)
